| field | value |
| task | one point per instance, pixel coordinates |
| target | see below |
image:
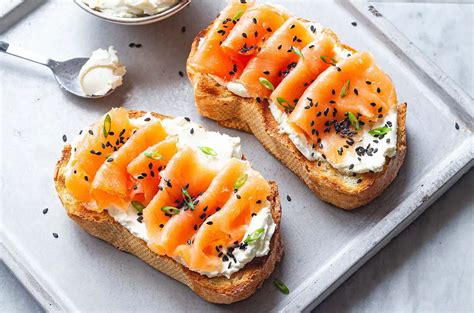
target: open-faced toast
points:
(250, 114)
(99, 223)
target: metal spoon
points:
(66, 73)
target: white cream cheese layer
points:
(382, 146)
(194, 136)
(101, 73)
(130, 8)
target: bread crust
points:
(241, 284)
(342, 190)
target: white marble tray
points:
(323, 245)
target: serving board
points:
(323, 245)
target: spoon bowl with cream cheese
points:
(93, 77)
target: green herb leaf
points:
(255, 235)
(240, 181)
(345, 89)
(281, 285)
(380, 130)
(187, 198)
(238, 15)
(354, 121)
(288, 107)
(170, 210)
(328, 60)
(138, 206)
(107, 125)
(207, 150)
(297, 51)
(153, 155)
(266, 83)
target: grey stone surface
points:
(429, 267)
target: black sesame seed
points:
(191, 131)
(378, 90)
(64, 138)
(288, 198)
(161, 225)
(359, 180)
(55, 235)
(238, 196)
(244, 35)
(187, 119)
(354, 24)
(131, 45)
(91, 132)
(86, 178)
(183, 29)
(209, 223)
(195, 227)
(456, 125)
(181, 73)
(45, 211)
(110, 159)
(138, 45)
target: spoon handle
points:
(24, 54)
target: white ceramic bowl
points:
(136, 20)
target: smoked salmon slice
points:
(220, 234)
(94, 145)
(111, 185)
(210, 57)
(253, 28)
(317, 57)
(343, 98)
(278, 55)
(145, 169)
(184, 178)
(181, 227)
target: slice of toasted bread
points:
(342, 190)
(241, 284)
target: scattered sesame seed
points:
(183, 29)
(181, 73)
(288, 198)
(354, 24)
(209, 223)
(45, 211)
(131, 45)
(55, 235)
(456, 126)
(64, 138)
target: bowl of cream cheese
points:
(132, 12)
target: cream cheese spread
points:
(130, 8)
(101, 73)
